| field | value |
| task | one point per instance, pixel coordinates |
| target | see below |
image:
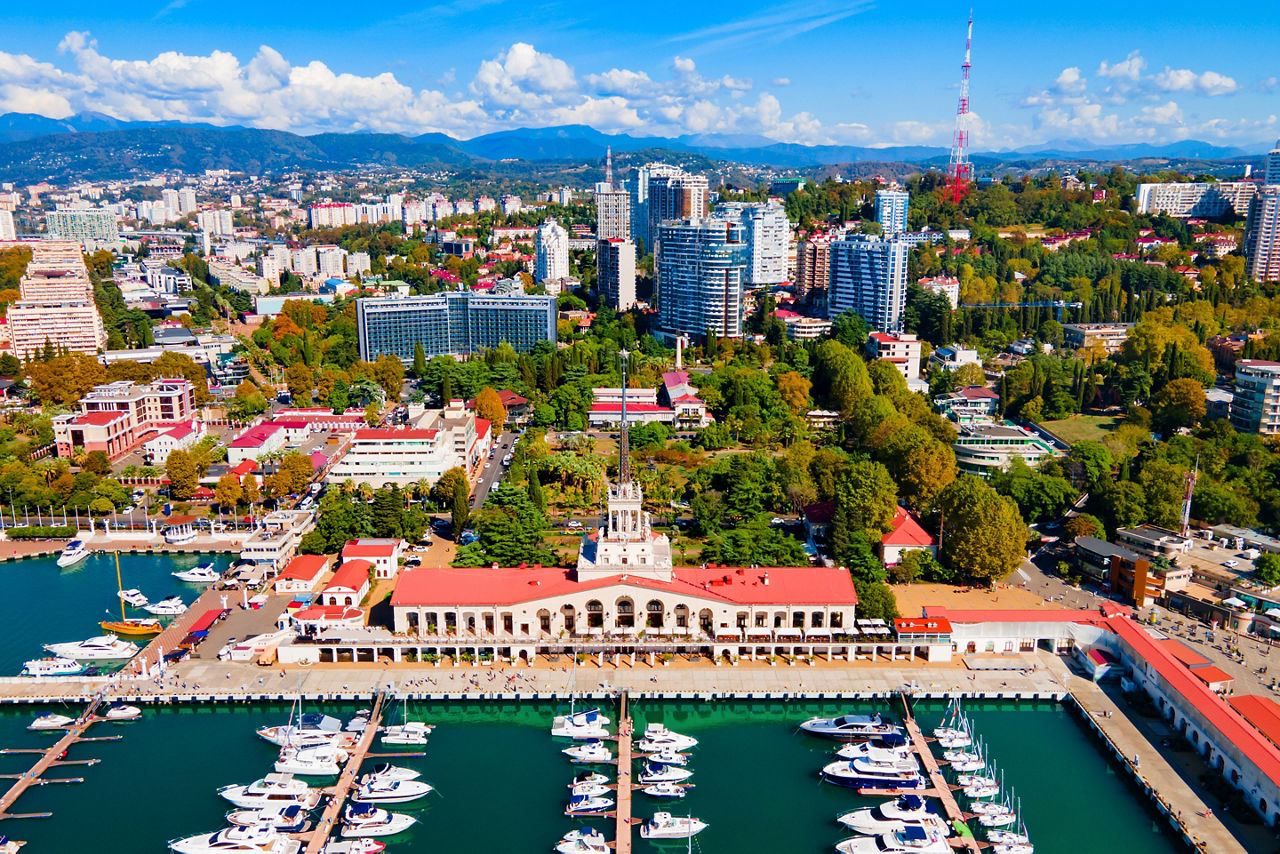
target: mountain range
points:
(93, 145)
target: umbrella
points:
(1273, 612)
(1233, 602)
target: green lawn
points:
(1080, 428)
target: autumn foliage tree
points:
(984, 538)
(489, 407)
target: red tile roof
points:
(100, 419)
(352, 575)
(799, 585)
(1014, 615)
(1211, 675)
(329, 614)
(978, 392)
(1262, 712)
(612, 406)
(382, 434)
(244, 467)
(368, 548)
(1183, 653)
(923, 625)
(255, 437)
(304, 568)
(907, 532)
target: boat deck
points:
(319, 837)
(940, 789)
(50, 759)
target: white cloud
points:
(1186, 80)
(1070, 80)
(1130, 68)
(786, 81)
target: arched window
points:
(595, 614)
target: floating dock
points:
(940, 788)
(50, 759)
(622, 836)
(318, 838)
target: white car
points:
(574, 523)
(1231, 564)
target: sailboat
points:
(407, 731)
(579, 725)
(127, 626)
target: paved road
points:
(494, 469)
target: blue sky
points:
(860, 73)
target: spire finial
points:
(624, 443)
(608, 166)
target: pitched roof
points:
(244, 467)
(906, 531)
(369, 548)
(1183, 653)
(255, 437)
(1262, 712)
(387, 434)
(304, 568)
(352, 575)
(922, 625)
(1211, 675)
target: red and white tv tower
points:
(959, 169)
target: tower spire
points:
(624, 442)
(608, 166)
(959, 169)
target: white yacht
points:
(586, 841)
(52, 667)
(990, 808)
(74, 552)
(353, 846)
(413, 732)
(321, 761)
(588, 724)
(202, 574)
(953, 739)
(589, 777)
(667, 790)
(272, 790)
(850, 727)
(170, 607)
(590, 752)
(122, 712)
(664, 825)
(891, 816)
(365, 820)
(967, 780)
(652, 773)
(133, 597)
(964, 761)
(1013, 848)
(579, 804)
(381, 791)
(310, 730)
(51, 721)
(668, 757)
(981, 790)
(390, 772)
(1007, 837)
(997, 819)
(101, 648)
(291, 818)
(865, 774)
(884, 749)
(657, 737)
(909, 840)
(262, 839)
(588, 790)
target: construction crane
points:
(959, 169)
(1057, 304)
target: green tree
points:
(866, 501)
(510, 528)
(915, 565)
(461, 507)
(1266, 568)
(228, 492)
(250, 493)
(1083, 525)
(536, 494)
(419, 361)
(338, 397)
(372, 413)
(876, 601)
(182, 474)
(98, 462)
(1181, 403)
(294, 473)
(984, 538)
(442, 490)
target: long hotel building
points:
(456, 323)
(57, 304)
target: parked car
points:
(1231, 564)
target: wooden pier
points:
(317, 838)
(622, 836)
(50, 759)
(940, 788)
(172, 634)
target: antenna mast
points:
(608, 166)
(959, 169)
(1191, 477)
(624, 442)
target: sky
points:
(806, 71)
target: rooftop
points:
(304, 568)
(351, 575)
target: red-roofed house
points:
(181, 437)
(517, 407)
(302, 574)
(243, 468)
(905, 535)
(682, 396)
(384, 554)
(349, 585)
(256, 442)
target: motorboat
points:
(589, 790)
(1013, 848)
(967, 780)
(101, 648)
(990, 808)
(360, 722)
(657, 737)
(52, 667)
(981, 790)
(589, 777)
(390, 772)
(353, 846)
(652, 773)
(321, 761)
(381, 791)
(664, 825)
(10, 846)
(132, 597)
(893, 745)
(589, 752)
(170, 607)
(891, 816)
(310, 730)
(122, 712)
(585, 841)
(667, 790)
(272, 790)
(51, 721)
(413, 732)
(909, 840)
(202, 574)
(668, 757)
(579, 804)
(260, 839)
(290, 818)
(864, 774)
(133, 627)
(588, 724)
(850, 727)
(74, 552)
(364, 820)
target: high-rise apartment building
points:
(616, 272)
(332, 215)
(57, 304)
(1262, 235)
(676, 197)
(83, 225)
(640, 199)
(551, 252)
(186, 201)
(1271, 170)
(891, 210)
(1185, 200)
(768, 236)
(170, 198)
(456, 323)
(1255, 405)
(868, 274)
(701, 265)
(813, 265)
(217, 222)
(6, 226)
(613, 214)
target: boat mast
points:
(120, 588)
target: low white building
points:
(303, 574)
(953, 357)
(256, 442)
(384, 554)
(275, 539)
(349, 585)
(179, 438)
(901, 349)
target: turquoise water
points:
(47, 604)
(502, 780)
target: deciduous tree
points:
(489, 407)
(984, 537)
(228, 492)
(183, 478)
